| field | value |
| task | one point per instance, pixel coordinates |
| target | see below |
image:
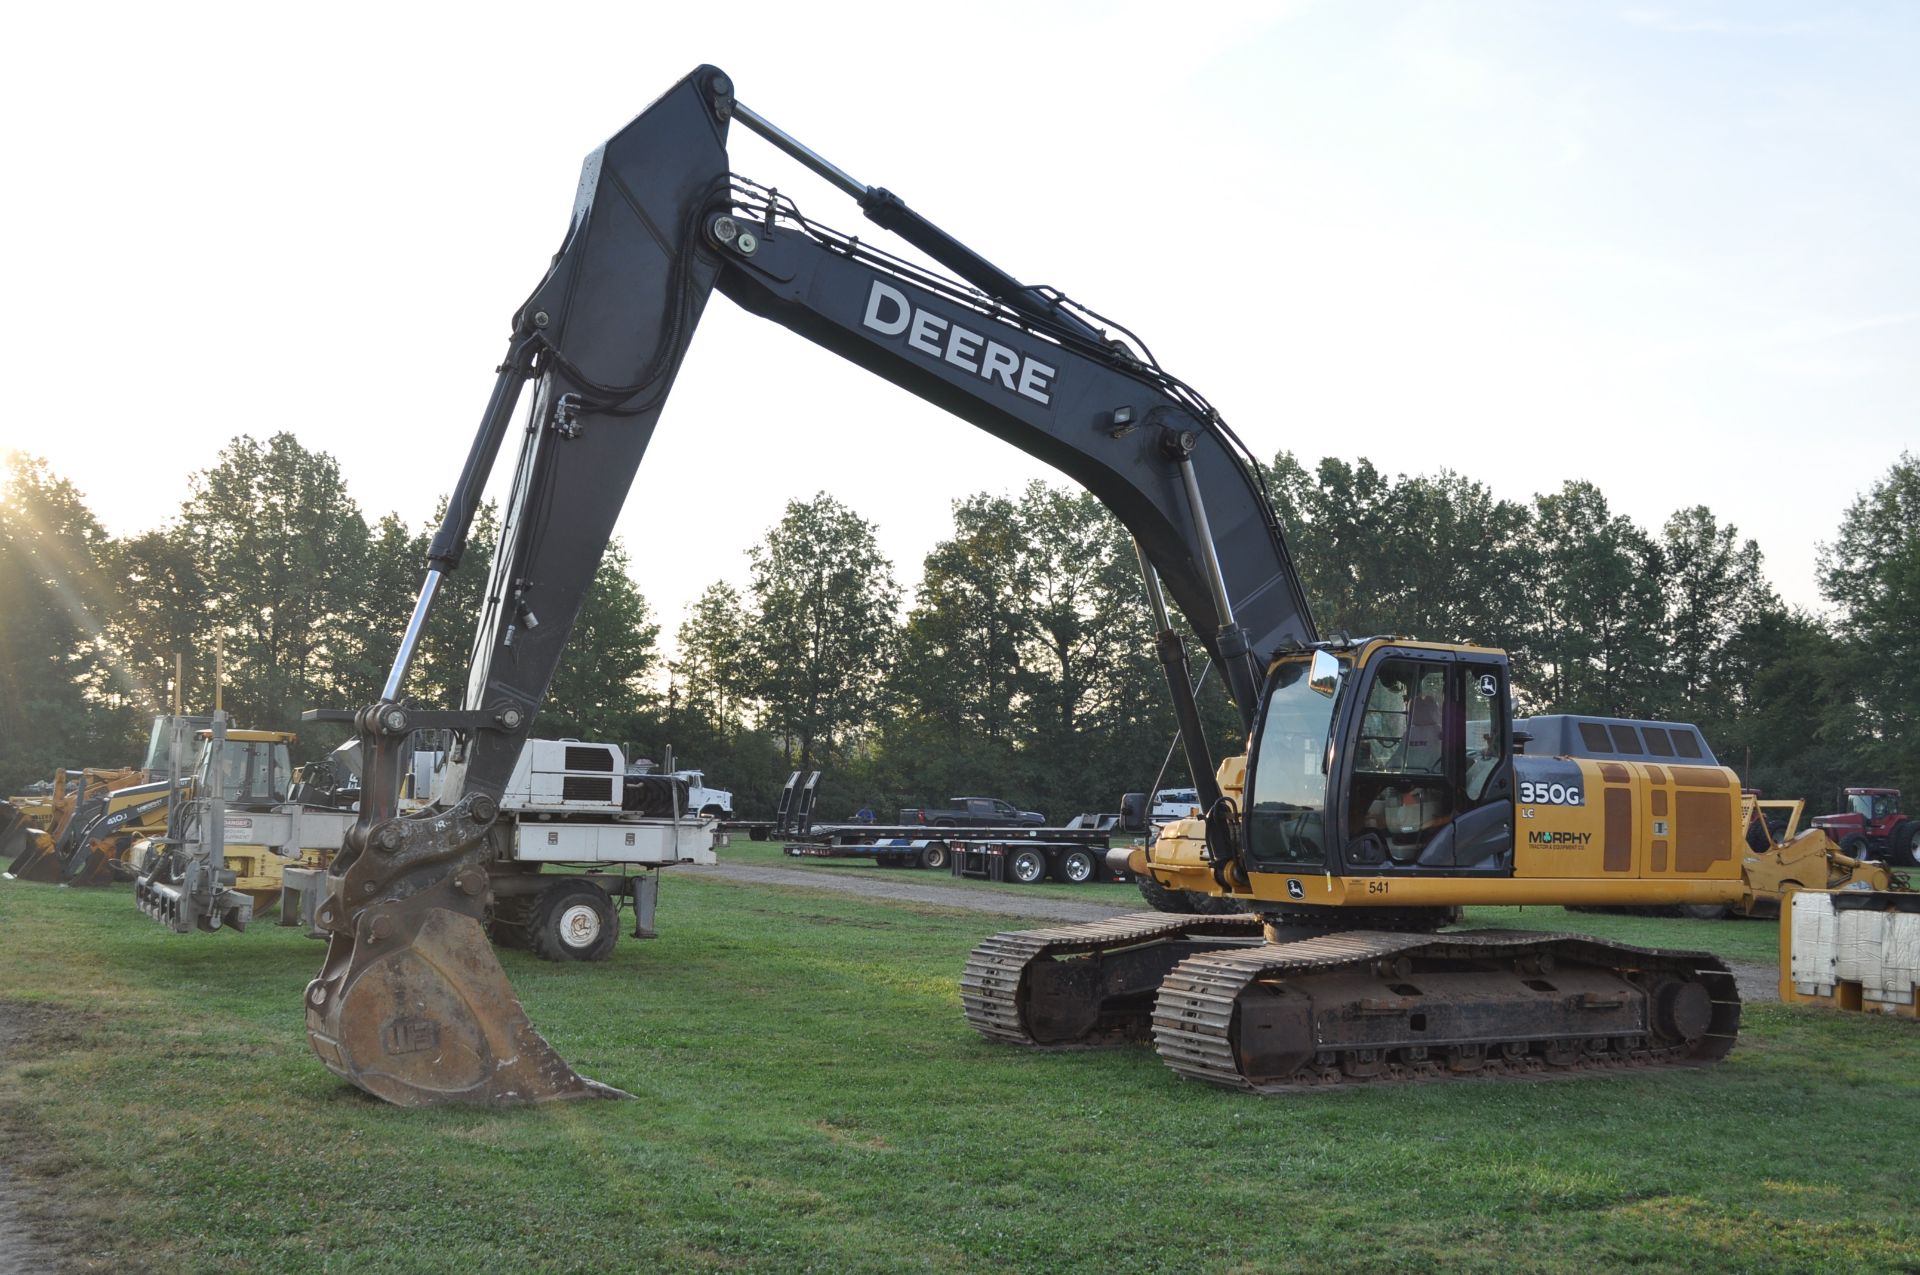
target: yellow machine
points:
(83, 830)
(1783, 857)
(1384, 785)
(95, 817)
(1852, 949)
(1433, 809)
(1385, 788)
(32, 824)
(236, 802)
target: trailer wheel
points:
(574, 921)
(1027, 866)
(1075, 867)
(933, 856)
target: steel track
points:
(1195, 1013)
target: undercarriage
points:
(1235, 1002)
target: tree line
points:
(1020, 666)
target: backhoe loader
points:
(1782, 857)
(1381, 790)
(94, 817)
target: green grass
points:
(1742, 940)
(809, 1099)
(1738, 939)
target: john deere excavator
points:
(1380, 791)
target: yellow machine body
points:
(1584, 831)
(1658, 835)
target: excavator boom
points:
(411, 1003)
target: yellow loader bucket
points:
(412, 1005)
(26, 850)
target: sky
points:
(1668, 248)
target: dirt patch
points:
(1759, 982)
(29, 1241)
(20, 1249)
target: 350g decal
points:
(1544, 794)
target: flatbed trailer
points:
(1024, 855)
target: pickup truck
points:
(1175, 803)
(973, 812)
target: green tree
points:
(1094, 707)
(960, 664)
(1460, 555)
(1793, 730)
(824, 602)
(1715, 590)
(1339, 523)
(709, 686)
(1438, 558)
(1595, 609)
(161, 612)
(282, 551)
(601, 691)
(1871, 572)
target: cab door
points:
(1428, 777)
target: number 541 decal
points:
(1538, 794)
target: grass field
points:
(809, 1099)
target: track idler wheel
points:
(1681, 1010)
(412, 1005)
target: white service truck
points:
(575, 805)
(577, 835)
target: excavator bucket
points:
(12, 826)
(425, 1015)
(25, 849)
(412, 1005)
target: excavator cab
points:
(1380, 758)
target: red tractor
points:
(1874, 828)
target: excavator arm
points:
(411, 1003)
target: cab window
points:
(1401, 794)
(1286, 811)
(1486, 739)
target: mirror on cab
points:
(1324, 676)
